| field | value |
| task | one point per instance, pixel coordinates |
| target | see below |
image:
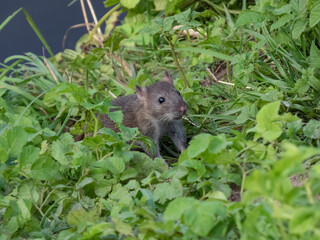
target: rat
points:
(156, 111)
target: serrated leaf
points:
(79, 216)
(116, 116)
(176, 208)
(312, 129)
(202, 217)
(244, 115)
(28, 156)
(115, 165)
(281, 21)
(84, 182)
(247, 17)
(194, 164)
(199, 144)
(314, 55)
(298, 28)
(217, 144)
(13, 141)
(314, 15)
(166, 191)
(61, 149)
(129, 3)
(45, 168)
(268, 124)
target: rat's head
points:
(162, 101)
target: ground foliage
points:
(251, 170)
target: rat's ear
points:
(142, 93)
(167, 77)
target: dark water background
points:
(52, 17)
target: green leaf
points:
(109, 3)
(115, 165)
(194, 164)
(281, 21)
(45, 168)
(24, 206)
(199, 144)
(248, 17)
(13, 140)
(204, 51)
(298, 28)
(268, 124)
(314, 55)
(80, 216)
(129, 173)
(217, 144)
(244, 115)
(202, 217)
(312, 129)
(116, 116)
(166, 191)
(129, 3)
(160, 5)
(84, 182)
(61, 149)
(28, 156)
(177, 207)
(314, 15)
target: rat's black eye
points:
(178, 92)
(161, 99)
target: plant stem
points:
(177, 63)
(104, 18)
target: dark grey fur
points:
(154, 119)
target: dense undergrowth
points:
(250, 74)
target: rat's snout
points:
(183, 109)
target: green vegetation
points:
(250, 74)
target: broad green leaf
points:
(281, 21)
(314, 15)
(116, 116)
(79, 216)
(29, 190)
(13, 140)
(194, 164)
(244, 115)
(109, 3)
(167, 191)
(202, 217)
(61, 149)
(248, 17)
(217, 144)
(298, 28)
(199, 144)
(129, 3)
(314, 55)
(282, 10)
(45, 168)
(115, 165)
(129, 173)
(84, 182)
(3, 155)
(25, 207)
(268, 124)
(177, 207)
(28, 156)
(312, 129)
(160, 5)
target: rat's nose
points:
(183, 109)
